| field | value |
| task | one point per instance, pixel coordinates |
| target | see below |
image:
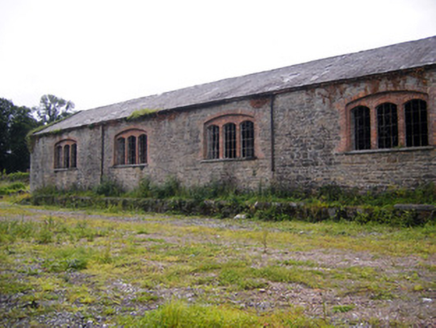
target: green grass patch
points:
(180, 314)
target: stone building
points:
(365, 120)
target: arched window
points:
(229, 136)
(230, 140)
(131, 148)
(362, 128)
(415, 112)
(387, 125)
(247, 139)
(388, 120)
(65, 154)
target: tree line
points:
(16, 122)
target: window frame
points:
(131, 148)
(65, 155)
(413, 137)
(213, 142)
(247, 139)
(230, 140)
(224, 139)
(361, 127)
(387, 125)
(374, 102)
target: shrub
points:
(17, 176)
(12, 188)
(108, 188)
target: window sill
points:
(129, 166)
(387, 150)
(66, 170)
(228, 160)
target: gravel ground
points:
(407, 308)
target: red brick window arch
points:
(65, 154)
(388, 120)
(230, 137)
(131, 148)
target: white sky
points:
(98, 52)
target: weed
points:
(146, 297)
(179, 314)
(342, 308)
(108, 188)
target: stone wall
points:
(87, 173)
(311, 134)
(311, 143)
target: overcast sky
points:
(98, 52)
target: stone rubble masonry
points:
(307, 145)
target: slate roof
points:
(376, 61)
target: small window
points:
(73, 155)
(131, 148)
(58, 157)
(362, 128)
(142, 149)
(121, 151)
(415, 112)
(213, 142)
(230, 140)
(65, 156)
(247, 139)
(387, 122)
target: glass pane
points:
(213, 142)
(142, 148)
(230, 140)
(416, 123)
(247, 139)
(387, 121)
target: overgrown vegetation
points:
(273, 203)
(330, 195)
(13, 183)
(12, 177)
(141, 113)
(135, 270)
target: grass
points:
(198, 275)
(180, 314)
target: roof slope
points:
(376, 61)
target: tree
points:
(52, 108)
(15, 123)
